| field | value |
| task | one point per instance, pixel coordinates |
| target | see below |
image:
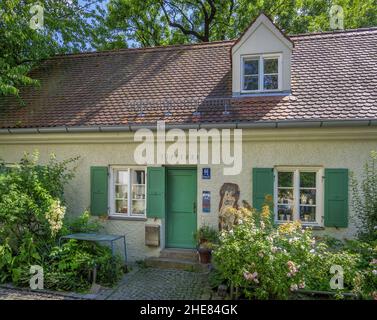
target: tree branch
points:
(179, 26)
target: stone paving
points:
(139, 284)
(16, 294)
(160, 284)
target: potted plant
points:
(205, 252)
(206, 237)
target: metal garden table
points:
(96, 237)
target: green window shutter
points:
(156, 192)
(336, 198)
(98, 190)
(263, 184)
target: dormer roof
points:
(268, 23)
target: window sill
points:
(305, 226)
(113, 217)
(264, 93)
(313, 227)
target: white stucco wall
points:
(327, 147)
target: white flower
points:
(55, 216)
(294, 287)
(374, 272)
(251, 276)
(312, 251)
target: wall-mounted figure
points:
(229, 196)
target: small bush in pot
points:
(206, 238)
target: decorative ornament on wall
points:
(229, 196)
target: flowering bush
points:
(233, 216)
(30, 201)
(272, 263)
(364, 199)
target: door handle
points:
(194, 207)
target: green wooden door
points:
(181, 208)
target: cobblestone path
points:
(139, 284)
(159, 284)
(15, 294)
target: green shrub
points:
(71, 265)
(31, 202)
(206, 234)
(80, 224)
(32, 218)
(364, 199)
(216, 278)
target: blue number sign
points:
(206, 173)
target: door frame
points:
(179, 167)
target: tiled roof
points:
(334, 76)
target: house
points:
(306, 105)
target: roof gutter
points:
(207, 125)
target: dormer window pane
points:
(251, 67)
(270, 66)
(271, 82)
(251, 74)
(271, 73)
(251, 83)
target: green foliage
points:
(364, 199)
(82, 223)
(71, 265)
(150, 23)
(206, 234)
(31, 221)
(216, 278)
(66, 28)
(273, 263)
(30, 201)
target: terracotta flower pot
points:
(204, 255)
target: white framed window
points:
(298, 195)
(128, 191)
(261, 73)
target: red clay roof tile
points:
(334, 76)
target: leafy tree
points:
(68, 26)
(160, 22)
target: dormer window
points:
(261, 73)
